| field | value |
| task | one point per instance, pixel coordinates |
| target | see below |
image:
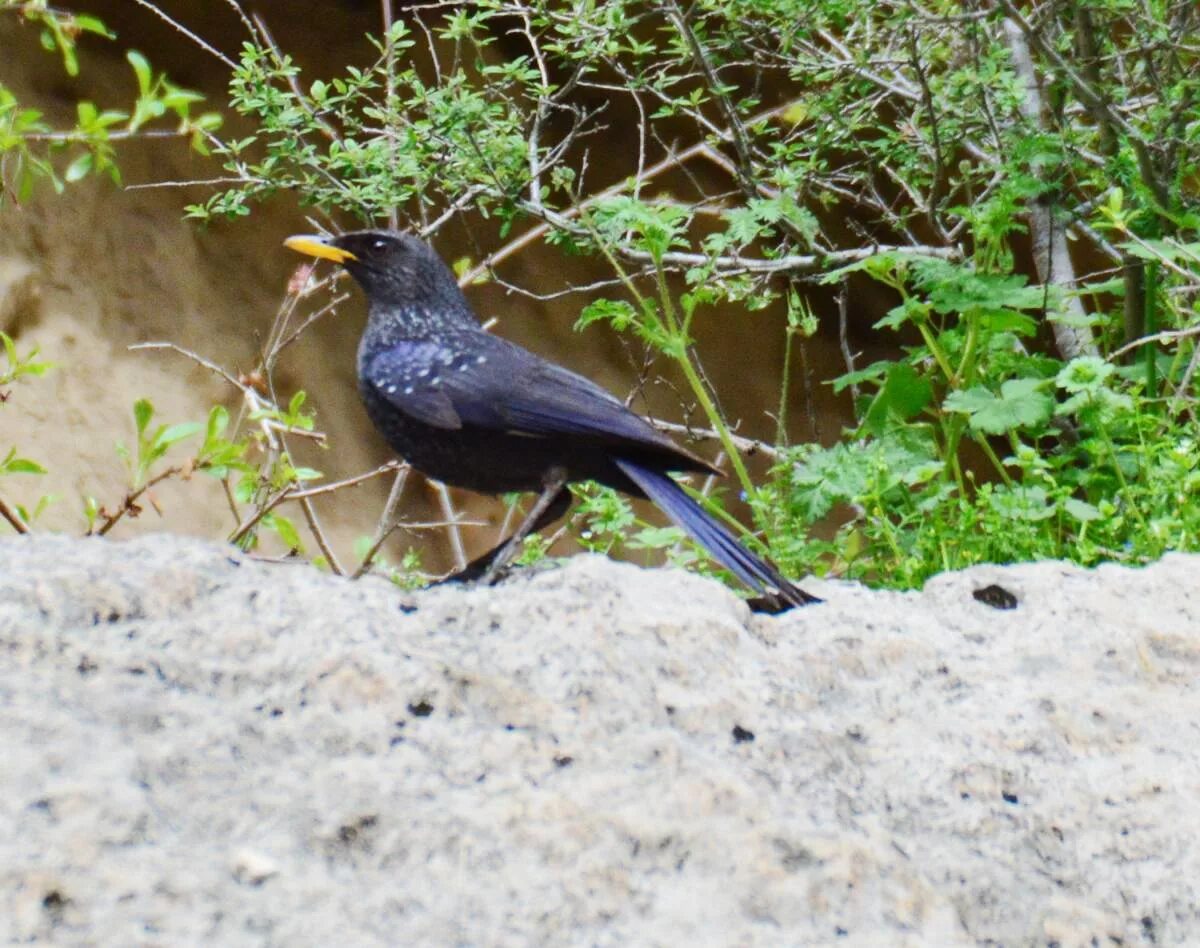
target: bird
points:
(473, 410)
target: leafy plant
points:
(30, 148)
(1021, 181)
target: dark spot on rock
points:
(995, 596)
(395, 740)
(277, 712)
(793, 857)
(136, 671)
(855, 733)
(1148, 928)
(564, 761)
(422, 709)
(1010, 797)
(841, 932)
(408, 608)
(943, 669)
(234, 562)
(964, 795)
(86, 666)
(54, 902)
(741, 735)
(350, 833)
(670, 709)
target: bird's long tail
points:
(690, 517)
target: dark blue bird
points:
(474, 410)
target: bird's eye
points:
(379, 243)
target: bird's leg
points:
(550, 505)
(478, 566)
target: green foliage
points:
(31, 150)
(939, 153)
(1007, 428)
(1073, 460)
(17, 367)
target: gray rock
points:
(202, 748)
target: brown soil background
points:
(86, 274)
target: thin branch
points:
(198, 359)
(386, 525)
(186, 32)
(314, 526)
(453, 530)
(129, 503)
(1166, 336)
(748, 446)
(11, 516)
(348, 482)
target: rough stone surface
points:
(201, 748)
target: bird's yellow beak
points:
(318, 247)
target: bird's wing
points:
(491, 383)
(409, 376)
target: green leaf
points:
(169, 436)
(904, 394)
(22, 466)
(1084, 374)
(218, 421)
(1020, 404)
(1080, 510)
(141, 68)
(617, 312)
(143, 411)
(285, 530)
(78, 168)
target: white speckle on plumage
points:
(391, 389)
(424, 373)
(481, 360)
(408, 390)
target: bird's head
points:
(396, 270)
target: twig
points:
(11, 516)
(348, 482)
(386, 525)
(791, 263)
(198, 359)
(369, 560)
(314, 526)
(186, 32)
(843, 299)
(129, 504)
(243, 528)
(748, 446)
(1166, 336)
(453, 531)
(319, 314)
(389, 90)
